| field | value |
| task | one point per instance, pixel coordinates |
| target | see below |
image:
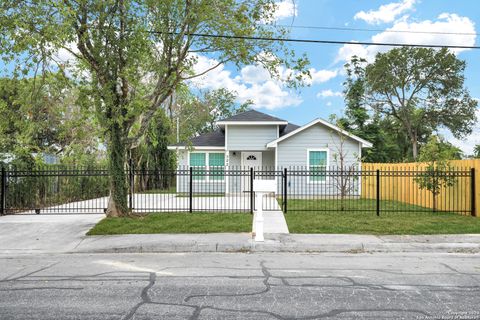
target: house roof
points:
(289, 128)
(252, 115)
(364, 143)
(209, 139)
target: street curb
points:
(280, 243)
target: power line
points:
(385, 44)
(378, 30)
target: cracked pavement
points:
(240, 286)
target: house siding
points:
(183, 177)
(292, 154)
(251, 138)
(292, 151)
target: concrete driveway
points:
(44, 233)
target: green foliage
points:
(437, 149)
(418, 90)
(43, 117)
(476, 151)
(152, 154)
(437, 174)
(39, 190)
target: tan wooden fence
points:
(405, 189)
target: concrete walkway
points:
(44, 233)
(274, 222)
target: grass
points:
(423, 221)
(201, 222)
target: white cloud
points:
(253, 83)
(329, 93)
(329, 104)
(321, 76)
(385, 13)
(446, 22)
(285, 9)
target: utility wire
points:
(377, 30)
(386, 44)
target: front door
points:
(251, 159)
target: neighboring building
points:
(255, 139)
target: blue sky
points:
(323, 97)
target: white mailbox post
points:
(261, 188)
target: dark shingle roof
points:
(252, 115)
(209, 139)
(289, 128)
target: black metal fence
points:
(57, 189)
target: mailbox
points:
(264, 186)
(261, 188)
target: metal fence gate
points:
(64, 190)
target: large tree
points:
(43, 119)
(134, 54)
(423, 89)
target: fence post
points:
(3, 192)
(131, 184)
(190, 193)
(285, 184)
(472, 191)
(378, 192)
(252, 198)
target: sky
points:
(324, 95)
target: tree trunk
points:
(415, 148)
(117, 203)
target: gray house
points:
(258, 140)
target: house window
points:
(201, 162)
(199, 165)
(317, 165)
(216, 163)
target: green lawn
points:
(198, 222)
(366, 222)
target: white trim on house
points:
(364, 143)
(327, 150)
(253, 123)
(204, 148)
(226, 137)
(359, 164)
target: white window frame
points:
(327, 150)
(207, 166)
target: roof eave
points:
(223, 123)
(195, 147)
(365, 143)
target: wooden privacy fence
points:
(406, 189)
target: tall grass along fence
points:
(401, 182)
(375, 189)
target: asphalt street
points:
(240, 286)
